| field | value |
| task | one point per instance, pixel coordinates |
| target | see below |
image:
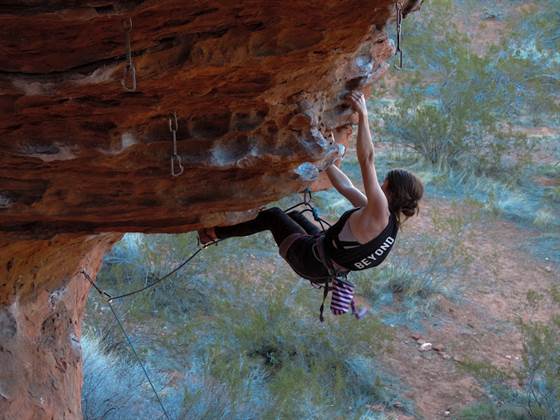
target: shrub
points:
(303, 374)
(539, 396)
(464, 108)
(113, 387)
(541, 368)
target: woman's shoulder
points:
(366, 228)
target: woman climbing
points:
(360, 239)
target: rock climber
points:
(361, 238)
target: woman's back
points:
(354, 255)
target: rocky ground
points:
(479, 326)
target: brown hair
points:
(405, 191)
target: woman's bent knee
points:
(273, 211)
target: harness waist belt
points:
(332, 266)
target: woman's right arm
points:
(344, 186)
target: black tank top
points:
(356, 256)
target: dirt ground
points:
(478, 326)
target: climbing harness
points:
(128, 81)
(337, 279)
(108, 301)
(175, 158)
(398, 9)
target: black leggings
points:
(300, 255)
(274, 219)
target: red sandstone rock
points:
(254, 88)
(43, 297)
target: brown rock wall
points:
(43, 298)
(255, 86)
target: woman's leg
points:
(279, 223)
(304, 222)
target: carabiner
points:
(181, 169)
(129, 74)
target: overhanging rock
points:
(255, 86)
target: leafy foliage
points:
(460, 107)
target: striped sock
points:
(342, 297)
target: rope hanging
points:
(108, 301)
(306, 202)
(159, 280)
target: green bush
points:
(114, 387)
(464, 108)
(541, 368)
(308, 368)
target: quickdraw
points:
(175, 158)
(128, 81)
(399, 11)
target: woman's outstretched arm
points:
(377, 205)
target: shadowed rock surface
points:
(255, 86)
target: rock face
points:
(40, 316)
(255, 85)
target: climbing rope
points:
(121, 326)
(159, 280)
(174, 127)
(398, 9)
(128, 81)
(306, 202)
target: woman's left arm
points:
(377, 205)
